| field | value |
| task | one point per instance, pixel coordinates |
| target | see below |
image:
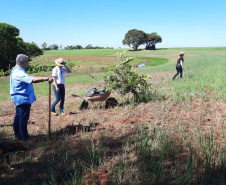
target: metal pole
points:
(49, 124)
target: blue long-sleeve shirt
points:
(21, 87)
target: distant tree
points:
(54, 47)
(151, 40)
(134, 38)
(44, 46)
(79, 47)
(89, 46)
(69, 47)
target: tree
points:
(8, 46)
(68, 47)
(151, 40)
(11, 45)
(89, 46)
(54, 47)
(134, 38)
(32, 50)
(44, 46)
(79, 47)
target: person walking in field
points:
(22, 95)
(179, 65)
(58, 74)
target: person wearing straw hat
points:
(58, 74)
(179, 65)
(22, 95)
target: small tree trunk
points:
(135, 48)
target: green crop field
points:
(204, 70)
(83, 52)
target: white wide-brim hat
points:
(60, 62)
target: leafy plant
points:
(70, 64)
(123, 78)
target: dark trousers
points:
(60, 96)
(179, 71)
(20, 121)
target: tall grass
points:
(204, 70)
(148, 155)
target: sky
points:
(180, 23)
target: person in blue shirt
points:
(22, 95)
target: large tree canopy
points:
(134, 38)
(8, 44)
(11, 45)
(152, 39)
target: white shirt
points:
(59, 74)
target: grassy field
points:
(84, 52)
(178, 139)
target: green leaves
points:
(134, 38)
(123, 78)
(12, 44)
(152, 39)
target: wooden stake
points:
(49, 124)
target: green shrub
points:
(123, 78)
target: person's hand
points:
(57, 89)
(50, 80)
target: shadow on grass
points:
(69, 157)
(60, 160)
(166, 164)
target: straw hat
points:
(181, 53)
(60, 62)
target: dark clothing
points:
(179, 68)
(60, 96)
(20, 121)
(179, 71)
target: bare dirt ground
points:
(113, 126)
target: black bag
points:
(91, 92)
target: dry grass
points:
(115, 133)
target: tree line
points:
(134, 38)
(56, 47)
(11, 45)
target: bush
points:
(123, 78)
